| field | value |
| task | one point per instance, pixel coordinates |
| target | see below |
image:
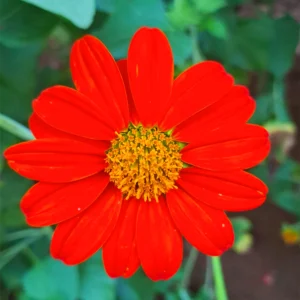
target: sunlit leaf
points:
(80, 13)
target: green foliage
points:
(80, 13)
(148, 13)
(208, 6)
(94, 283)
(18, 23)
(243, 238)
(285, 187)
(282, 48)
(64, 283)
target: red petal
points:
(96, 74)
(77, 239)
(119, 252)
(133, 116)
(133, 263)
(195, 89)
(51, 203)
(229, 149)
(234, 191)
(56, 160)
(159, 244)
(150, 72)
(42, 130)
(69, 111)
(207, 229)
(235, 108)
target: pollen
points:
(144, 163)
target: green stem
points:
(15, 128)
(197, 56)
(31, 256)
(189, 267)
(48, 231)
(220, 288)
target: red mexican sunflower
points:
(132, 161)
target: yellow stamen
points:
(144, 162)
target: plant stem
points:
(189, 267)
(31, 256)
(197, 56)
(48, 231)
(15, 128)
(220, 288)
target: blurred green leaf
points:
(18, 64)
(285, 187)
(139, 13)
(241, 224)
(264, 109)
(106, 5)
(215, 26)
(18, 23)
(12, 217)
(181, 46)
(12, 188)
(243, 239)
(250, 43)
(95, 284)
(283, 45)
(182, 14)
(209, 6)
(138, 287)
(279, 103)
(261, 171)
(13, 272)
(9, 253)
(80, 13)
(51, 280)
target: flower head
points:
(132, 160)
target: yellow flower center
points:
(144, 162)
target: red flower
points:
(133, 160)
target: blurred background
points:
(256, 40)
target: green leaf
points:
(215, 26)
(13, 272)
(140, 13)
(12, 217)
(279, 103)
(12, 188)
(285, 187)
(182, 14)
(243, 239)
(117, 31)
(9, 253)
(287, 200)
(18, 64)
(250, 42)
(241, 224)
(209, 6)
(80, 13)
(181, 46)
(51, 280)
(283, 45)
(264, 109)
(18, 23)
(95, 284)
(107, 6)
(136, 287)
